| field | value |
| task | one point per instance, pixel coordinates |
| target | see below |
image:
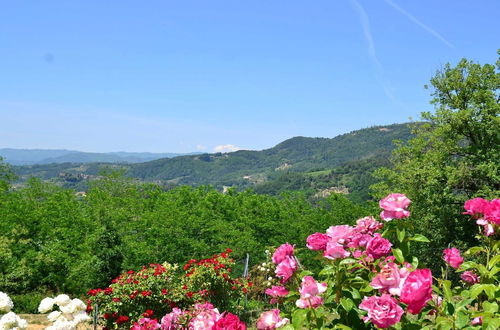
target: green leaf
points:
(342, 326)
(494, 261)
(399, 255)
(414, 262)
(447, 289)
(347, 303)
(419, 238)
(355, 293)
(476, 290)
(348, 261)
(490, 307)
(298, 318)
(400, 234)
(490, 290)
(474, 250)
(462, 320)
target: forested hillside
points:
(343, 163)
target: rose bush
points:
(155, 290)
(370, 278)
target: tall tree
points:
(454, 156)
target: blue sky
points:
(182, 76)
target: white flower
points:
(68, 308)
(269, 278)
(6, 303)
(54, 316)
(12, 321)
(46, 305)
(22, 323)
(8, 321)
(81, 317)
(62, 299)
(79, 305)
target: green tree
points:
(454, 156)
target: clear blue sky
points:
(181, 76)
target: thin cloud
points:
(200, 147)
(419, 23)
(226, 148)
(379, 69)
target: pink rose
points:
(309, 292)
(368, 225)
(382, 311)
(276, 292)
(470, 277)
(285, 250)
(390, 279)
(204, 320)
(477, 321)
(335, 250)
(286, 268)
(476, 207)
(488, 228)
(317, 241)
(170, 321)
(492, 212)
(271, 320)
(395, 207)
(378, 246)
(229, 321)
(339, 234)
(311, 288)
(312, 302)
(417, 290)
(452, 257)
(359, 240)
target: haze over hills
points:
(48, 156)
(343, 163)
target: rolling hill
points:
(344, 162)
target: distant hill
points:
(314, 165)
(47, 156)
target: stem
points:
(337, 283)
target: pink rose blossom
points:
(488, 228)
(309, 292)
(335, 250)
(146, 324)
(492, 212)
(470, 277)
(312, 302)
(170, 321)
(417, 290)
(204, 320)
(382, 311)
(358, 240)
(368, 225)
(271, 320)
(339, 234)
(285, 250)
(395, 207)
(286, 268)
(317, 241)
(311, 288)
(390, 279)
(276, 292)
(378, 246)
(476, 207)
(229, 321)
(452, 257)
(477, 321)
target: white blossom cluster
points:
(71, 312)
(10, 320)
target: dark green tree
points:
(454, 156)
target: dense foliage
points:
(52, 240)
(453, 157)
